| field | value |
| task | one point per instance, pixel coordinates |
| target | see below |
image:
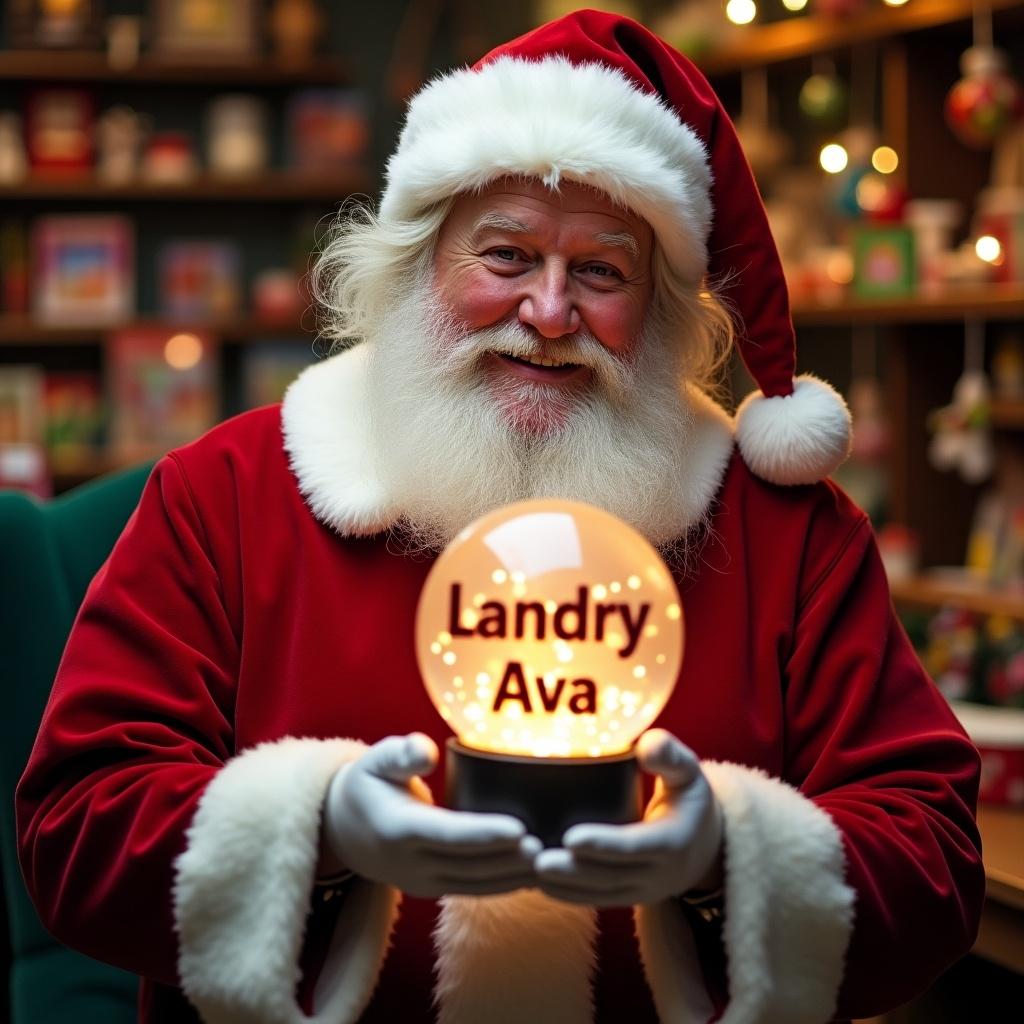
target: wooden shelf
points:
(92, 66)
(1002, 829)
(795, 38)
(22, 330)
(1006, 413)
(271, 186)
(1001, 936)
(986, 302)
(926, 592)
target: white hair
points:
(366, 264)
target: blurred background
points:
(168, 167)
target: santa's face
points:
(563, 266)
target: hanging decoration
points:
(766, 148)
(863, 475)
(987, 99)
(824, 96)
(962, 439)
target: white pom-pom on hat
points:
(794, 439)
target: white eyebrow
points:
(623, 239)
(499, 222)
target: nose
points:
(547, 306)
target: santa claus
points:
(231, 793)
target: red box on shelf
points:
(998, 733)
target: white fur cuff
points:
(242, 888)
(788, 910)
(794, 439)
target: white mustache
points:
(462, 353)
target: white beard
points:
(448, 450)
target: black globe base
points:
(548, 795)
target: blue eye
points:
(601, 270)
(506, 254)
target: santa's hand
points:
(378, 820)
(674, 849)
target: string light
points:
(988, 249)
(183, 351)
(833, 158)
(741, 12)
(885, 160)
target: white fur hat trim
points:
(467, 128)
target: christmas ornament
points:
(985, 101)
(549, 635)
(962, 438)
(766, 148)
(823, 100)
(879, 197)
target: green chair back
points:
(49, 551)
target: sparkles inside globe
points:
(549, 629)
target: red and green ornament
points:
(986, 101)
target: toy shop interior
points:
(167, 168)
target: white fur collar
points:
(325, 422)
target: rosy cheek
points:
(614, 320)
(480, 298)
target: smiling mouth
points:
(542, 363)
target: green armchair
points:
(50, 552)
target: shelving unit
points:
(282, 186)
(260, 212)
(88, 66)
(795, 38)
(919, 339)
(987, 302)
(926, 592)
(23, 330)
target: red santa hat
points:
(596, 98)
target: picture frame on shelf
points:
(197, 29)
(73, 416)
(58, 24)
(162, 386)
(326, 129)
(60, 125)
(268, 367)
(199, 280)
(22, 456)
(883, 261)
(83, 269)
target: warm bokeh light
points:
(833, 158)
(741, 12)
(894, 3)
(871, 192)
(549, 628)
(794, 5)
(885, 160)
(183, 351)
(839, 267)
(988, 248)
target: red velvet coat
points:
(229, 616)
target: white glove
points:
(379, 821)
(665, 855)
